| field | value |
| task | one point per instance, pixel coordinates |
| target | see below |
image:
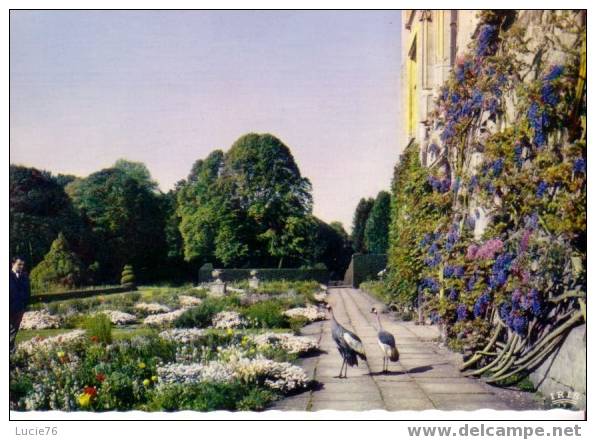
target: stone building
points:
(431, 40)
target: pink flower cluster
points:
(485, 252)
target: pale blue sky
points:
(166, 88)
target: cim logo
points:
(564, 399)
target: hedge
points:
(82, 293)
(364, 267)
(229, 275)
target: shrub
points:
(297, 322)
(202, 315)
(60, 268)
(268, 314)
(208, 396)
(128, 276)
(99, 327)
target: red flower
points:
(94, 339)
(91, 391)
(100, 377)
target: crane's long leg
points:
(342, 368)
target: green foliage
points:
(359, 224)
(127, 220)
(202, 315)
(210, 397)
(128, 276)
(99, 327)
(60, 268)
(251, 201)
(333, 248)
(376, 230)
(39, 210)
(266, 314)
(416, 211)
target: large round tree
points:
(127, 220)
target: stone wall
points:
(565, 370)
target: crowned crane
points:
(387, 343)
(348, 344)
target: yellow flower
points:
(146, 382)
(142, 365)
(230, 332)
(154, 378)
(84, 400)
(61, 354)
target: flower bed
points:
(39, 320)
(152, 308)
(163, 318)
(228, 319)
(287, 341)
(310, 313)
(119, 318)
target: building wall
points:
(431, 41)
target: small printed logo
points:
(564, 399)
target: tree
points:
(359, 224)
(200, 206)
(137, 171)
(376, 231)
(250, 204)
(60, 268)
(127, 221)
(268, 187)
(39, 209)
(332, 247)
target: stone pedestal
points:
(253, 283)
(217, 288)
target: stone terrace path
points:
(426, 376)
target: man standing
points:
(19, 297)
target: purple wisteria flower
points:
(555, 72)
(453, 295)
(481, 304)
(497, 167)
(462, 312)
(486, 43)
(579, 166)
(485, 252)
(541, 189)
(500, 270)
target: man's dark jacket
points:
(19, 292)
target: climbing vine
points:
(504, 266)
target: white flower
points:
(39, 343)
(287, 341)
(189, 301)
(190, 373)
(182, 335)
(281, 376)
(227, 319)
(320, 296)
(311, 313)
(152, 307)
(163, 318)
(38, 320)
(117, 317)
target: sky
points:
(168, 87)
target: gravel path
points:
(426, 376)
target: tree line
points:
(370, 228)
(246, 207)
